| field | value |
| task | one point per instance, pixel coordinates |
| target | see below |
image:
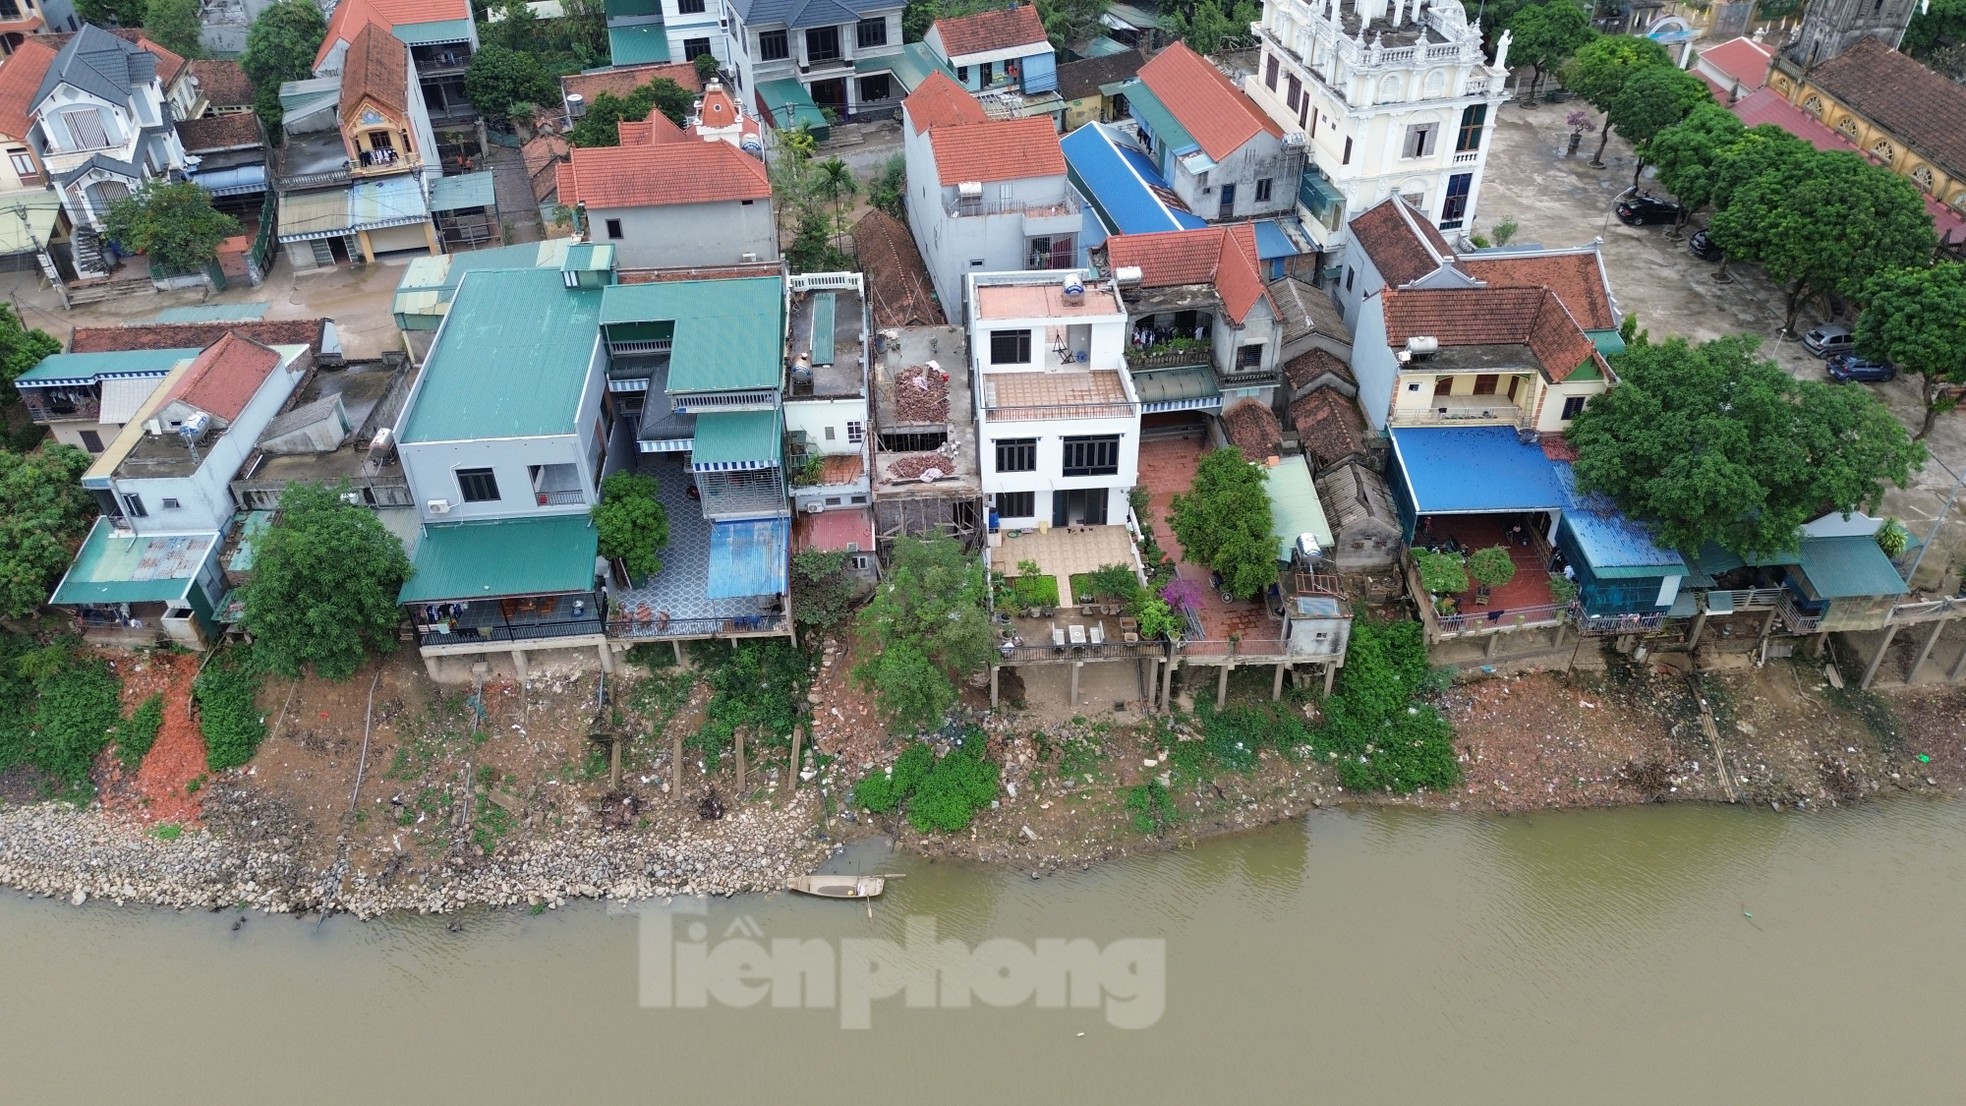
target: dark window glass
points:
(689, 7)
(1572, 407)
(694, 48)
(871, 32)
(1471, 121)
(823, 44)
(876, 88)
(477, 485)
(133, 505)
(91, 441)
(1270, 73)
(1263, 191)
(1455, 207)
(614, 229)
(1017, 504)
(1010, 347)
(1017, 455)
(1295, 90)
(773, 46)
(1098, 456)
(1348, 153)
(1249, 357)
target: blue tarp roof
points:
(1122, 184)
(748, 558)
(236, 181)
(1612, 542)
(1271, 241)
(1476, 469)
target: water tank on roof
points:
(1421, 345)
(1074, 290)
(970, 190)
(576, 105)
(1128, 274)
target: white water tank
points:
(1422, 345)
(1128, 274)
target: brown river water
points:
(1682, 954)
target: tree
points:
(835, 181)
(1916, 319)
(1939, 25)
(707, 67)
(517, 28)
(500, 77)
(1491, 567)
(1209, 26)
(174, 223)
(586, 28)
(1712, 444)
(1599, 70)
(1545, 36)
(175, 25)
(822, 591)
(113, 13)
(1442, 573)
(1650, 101)
(323, 590)
(280, 47)
(924, 629)
(634, 526)
(43, 512)
(21, 349)
(1223, 522)
(1828, 222)
(888, 192)
(598, 126)
(1688, 155)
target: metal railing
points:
(981, 206)
(43, 410)
(264, 495)
(510, 631)
(1609, 624)
(1103, 651)
(658, 627)
(1796, 619)
(1505, 413)
(561, 498)
(1749, 599)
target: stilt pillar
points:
(1699, 627)
(1925, 650)
(1276, 685)
(519, 662)
(1876, 662)
(1222, 688)
(1076, 667)
(995, 670)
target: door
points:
(830, 94)
(1228, 201)
(1060, 509)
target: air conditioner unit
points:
(437, 506)
(750, 258)
(853, 547)
(353, 499)
(813, 507)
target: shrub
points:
(139, 731)
(76, 708)
(227, 693)
(1492, 566)
(1031, 588)
(1157, 619)
(1441, 573)
(1150, 806)
(939, 794)
(1376, 730)
(883, 792)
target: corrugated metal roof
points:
(462, 191)
(638, 44)
(1294, 507)
(131, 568)
(747, 558)
(1847, 567)
(911, 66)
(214, 313)
(123, 397)
(1125, 190)
(1476, 469)
(503, 557)
(737, 440)
(87, 368)
(305, 215)
(788, 104)
(430, 34)
(729, 334)
(389, 202)
(1272, 241)
(1159, 119)
(511, 360)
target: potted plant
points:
(1491, 568)
(1441, 573)
(1579, 122)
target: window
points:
(871, 32)
(1572, 407)
(614, 229)
(876, 88)
(962, 74)
(1098, 456)
(1414, 387)
(1010, 347)
(1471, 122)
(1295, 90)
(1455, 209)
(23, 162)
(689, 7)
(1485, 384)
(822, 44)
(91, 441)
(1250, 356)
(833, 501)
(1347, 160)
(829, 433)
(1349, 274)
(1419, 140)
(1263, 191)
(1017, 455)
(694, 48)
(856, 432)
(477, 485)
(856, 499)
(773, 46)
(85, 131)
(1017, 504)
(133, 505)
(172, 504)
(1270, 73)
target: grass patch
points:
(169, 831)
(139, 731)
(936, 794)
(756, 687)
(58, 708)
(1150, 807)
(491, 826)
(227, 694)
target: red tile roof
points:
(624, 79)
(992, 30)
(653, 131)
(1328, 426)
(718, 109)
(1918, 106)
(280, 332)
(220, 132)
(941, 102)
(898, 288)
(225, 377)
(654, 176)
(1315, 363)
(1224, 256)
(376, 67)
(1744, 60)
(1396, 238)
(350, 16)
(1213, 110)
(542, 158)
(1252, 427)
(1575, 276)
(1532, 317)
(1005, 149)
(20, 79)
(223, 82)
(401, 12)
(833, 531)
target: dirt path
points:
(163, 789)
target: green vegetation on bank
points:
(61, 707)
(935, 794)
(227, 694)
(139, 731)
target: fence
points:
(660, 628)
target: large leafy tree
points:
(21, 349)
(1223, 522)
(598, 126)
(173, 222)
(924, 629)
(43, 511)
(1916, 320)
(1546, 35)
(112, 13)
(500, 77)
(634, 526)
(280, 46)
(174, 25)
(1688, 155)
(323, 590)
(1652, 100)
(1936, 27)
(1827, 222)
(1209, 26)
(1710, 443)
(1065, 21)
(1600, 69)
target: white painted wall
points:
(718, 233)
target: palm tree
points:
(836, 183)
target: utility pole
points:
(61, 290)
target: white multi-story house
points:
(1222, 156)
(441, 36)
(984, 195)
(827, 429)
(797, 58)
(1058, 420)
(1389, 97)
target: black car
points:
(1640, 208)
(1848, 366)
(1702, 247)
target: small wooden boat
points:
(836, 886)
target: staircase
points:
(88, 253)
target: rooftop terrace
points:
(1044, 301)
(1094, 394)
(829, 330)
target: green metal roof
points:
(638, 45)
(132, 568)
(429, 34)
(788, 104)
(629, 9)
(1294, 507)
(88, 368)
(1846, 567)
(510, 361)
(1607, 342)
(729, 334)
(588, 257)
(428, 283)
(503, 557)
(462, 191)
(911, 66)
(1101, 47)
(1168, 130)
(737, 439)
(251, 526)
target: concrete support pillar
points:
(1276, 685)
(1562, 631)
(1876, 662)
(1818, 643)
(430, 665)
(607, 657)
(1699, 627)
(1494, 642)
(1330, 674)
(1167, 685)
(1076, 666)
(519, 663)
(1925, 650)
(681, 661)
(676, 764)
(1958, 667)
(995, 670)
(1768, 624)
(739, 739)
(1222, 688)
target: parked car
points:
(1848, 366)
(1825, 340)
(1702, 247)
(1636, 209)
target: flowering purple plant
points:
(1578, 121)
(1182, 595)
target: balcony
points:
(376, 163)
(1050, 209)
(44, 408)
(437, 61)
(518, 619)
(1796, 619)
(1176, 354)
(373, 491)
(1464, 410)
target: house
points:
(226, 156)
(20, 80)
(1120, 186)
(1058, 419)
(323, 342)
(1090, 87)
(1328, 425)
(85, 399)
(1734, 68)
(1202, 331)
(1385, 98)
(101, 127)
(1365, 529)
(148, 569)
(830, 447)
(441, 36)
(641, 32)
(665, 198)
(800, 60)
(424, 294)
(222, 87)
(22, 20)
(850, 531)
(1222, 155)
(333, 431)
(1002, 54)
(985, 195)
(1252, 428)
(1835, 577)
(578, 90)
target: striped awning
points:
(668, 445)
(638, 384)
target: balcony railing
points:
(1104, 651)
(1173, 356)
(1485, 414)
(1797, 620)
(264, 495)
(726, 401)
(1035, 210)
(1607, 625)
(563, 498)
(373, 162)
(632, 626)
(46, 410)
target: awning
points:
(911, 66)
(1294, 507)
(1318, 195)
(390, 202)
(1273, 241)
(1101, 47)
(432, 34)
(114, 567)
(747, 558)
(466, 190)
(1187, 389)
(122, 397)
(461, 561)
(786, 103)
(236, 181)
(1159, 120)
(310, 215)
(639, 44)
(737, 440)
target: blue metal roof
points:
(1272, 241)
(236, 181)
(748, 557)
(1122, 185)
(1476, 469)
(1612, 544)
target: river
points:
(1652, 954)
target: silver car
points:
(1825, 340)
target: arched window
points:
(1813, 105)
(1436, 83)
(1922, 177)
(1848, 126)
(1390, 89)
(1884, 151)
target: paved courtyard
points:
(1562, 201)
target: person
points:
(1570, 573)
